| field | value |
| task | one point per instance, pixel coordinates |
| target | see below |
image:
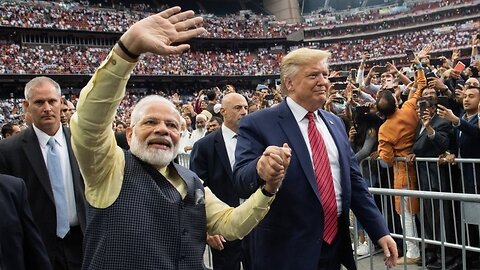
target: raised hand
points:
(455, 54)
(422, 53)
(158, 32)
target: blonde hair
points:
(300, 57)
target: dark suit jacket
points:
(20, 244)
(21, 156)
(209, 160)
(291, 234)
(468, 138)
(428, 175)
(121, 138)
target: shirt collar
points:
(298, 111)
(227, 132)
(44, 137)
(468, 118)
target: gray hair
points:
(38, 81)
(139, 110)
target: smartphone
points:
(362, 110)
(444, 101)
(459, 67)
(430, 76)
(269, 97)
(410, 55)
(343, 73)
(422, 106)
(436, 62)
(353, 75)
(381, 69)
(337, 79)
(340, 86)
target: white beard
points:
(155, 157)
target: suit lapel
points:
(417, 131)
(73, 161)
(221, 151)
(299, 148)
(32, 151)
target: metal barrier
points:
(449, 209)
(184, 160)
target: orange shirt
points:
(395, 139)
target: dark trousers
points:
(330, 257)
(229, 258)
(68, 254)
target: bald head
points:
(234, 107)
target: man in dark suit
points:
(20, 244)
(468, 136)
(432, 139)
(307, 226)
(58, 207)
(212, 160)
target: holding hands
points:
(272, 166)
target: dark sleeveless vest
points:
(149, 226)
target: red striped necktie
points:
(323, 175)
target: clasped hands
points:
(272, 166)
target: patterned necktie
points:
(56, 180)
(323, 175)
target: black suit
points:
(434, 177)
(20, 244)
(121, 138)
(21, 156)
(209, 160)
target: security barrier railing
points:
(448, 218)
(447, 195)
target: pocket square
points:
(199, 197)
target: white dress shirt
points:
(300, 116)
(230, 139)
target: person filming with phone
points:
(432, 138)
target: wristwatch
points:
(266, 192)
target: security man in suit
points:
(21, 247)
(43, 157)
(212, 160)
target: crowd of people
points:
(246, 24)
(77, 16)
(394, 23)
(62, 59)
(271, 168)
(375, 14)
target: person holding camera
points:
(432, 139)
